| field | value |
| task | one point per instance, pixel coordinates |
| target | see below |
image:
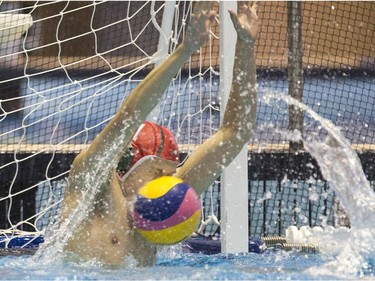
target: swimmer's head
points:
(150, 139)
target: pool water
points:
(174, 264)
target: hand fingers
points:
(254, 10)
(243, 8)
(234, 18)
(250, 9)
(253, 4)
(203, 7)
(203, 11)
(207, 5)
(211, 15)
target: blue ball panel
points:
(161, 208)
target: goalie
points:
(107, 234)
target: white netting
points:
(66, 76)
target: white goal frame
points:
(234, 179)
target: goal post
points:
(234, 184)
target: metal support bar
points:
(295, 69)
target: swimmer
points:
(107, 234)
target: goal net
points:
(66, 67)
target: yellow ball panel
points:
(159, 186)
(174, 234)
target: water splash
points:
(342, 169)
(52, 250)
(339, 165)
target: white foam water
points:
(341, 167)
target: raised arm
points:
(205, 165)
(109, 145)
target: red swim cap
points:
(152, 139)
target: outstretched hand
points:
(246, 22)
(197, 31)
